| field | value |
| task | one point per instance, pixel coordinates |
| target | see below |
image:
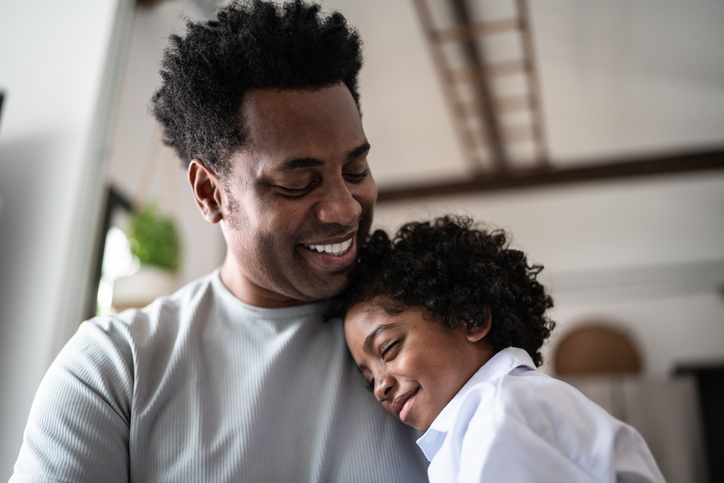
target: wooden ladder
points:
(495, 104)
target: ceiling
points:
(610, 90)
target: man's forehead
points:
(300, 128)
(265, 103)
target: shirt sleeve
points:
(78, 428)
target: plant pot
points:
(143, 287)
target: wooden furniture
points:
(597, 348)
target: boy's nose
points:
(383, 385)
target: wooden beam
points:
(480, 72)
(534, 94)
(441, 66)
(475, 30)
(477, 72)
(550, 175)
(148, 2)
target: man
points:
(236, 376)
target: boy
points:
(445, 323)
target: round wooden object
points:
(597, 349)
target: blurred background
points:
(592, 131)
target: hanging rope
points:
(158, 153)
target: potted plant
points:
(154, 240)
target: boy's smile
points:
(414, 364)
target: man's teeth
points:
(335, 249)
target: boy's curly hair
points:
(461, 275)
(250, 45)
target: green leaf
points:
(154, 238)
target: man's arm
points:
(78, 427)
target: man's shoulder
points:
(162, 319)
(193, 293)
(198, 292)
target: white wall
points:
(135, 145)
(627, 76)
(54, 67)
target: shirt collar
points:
(509, 360)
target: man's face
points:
(414, 364)
(298, 200)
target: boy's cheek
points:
(386, 405)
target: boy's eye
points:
(371, 385)
(385, 350)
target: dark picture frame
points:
(115, 201)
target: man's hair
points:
(461, 275)
(250, 45)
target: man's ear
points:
(476, 334)
(207, 190)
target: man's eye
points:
(356, 177)
(295, 192)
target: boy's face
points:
(414, 364)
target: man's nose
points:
(383, 386)
(338, 205)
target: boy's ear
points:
(476, 334)
(207, 191)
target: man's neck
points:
(253, 294)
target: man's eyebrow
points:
(298, 163)
(361, 149)
(369, 340)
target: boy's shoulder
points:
(513, 423)
(533, 405)
(533, 399)
(538, 414)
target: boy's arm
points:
(78, 428)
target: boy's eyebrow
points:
(378, 330)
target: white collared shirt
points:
(511, 423)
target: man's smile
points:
(334, 249)
(334, 255)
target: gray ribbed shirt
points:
(201, 387)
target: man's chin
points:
(325, 287)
